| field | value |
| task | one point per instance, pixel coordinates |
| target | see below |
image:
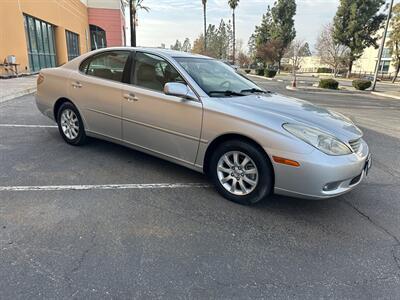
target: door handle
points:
(131, 97)
(76, 85)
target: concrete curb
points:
(18, 94)
(385, 95)
(261, 77)
(317, 89)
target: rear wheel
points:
(241, 172)
(70, 125)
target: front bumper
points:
(321, 176)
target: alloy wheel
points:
(237, 173)
(70, 124)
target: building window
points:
(97, 37)
(384, 66)
(386, 53)
(72, 45)
(40, 43)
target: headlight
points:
(318, 139)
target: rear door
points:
(152, 120)
(96, 90)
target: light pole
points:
(382, 45)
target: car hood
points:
(291, 110)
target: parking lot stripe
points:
(103, 187)
(27, 126)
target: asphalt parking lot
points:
(104, 221)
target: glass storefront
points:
(72, 45)
(41, 45)
(97, 37)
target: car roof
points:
(161, 51)
(167, 53)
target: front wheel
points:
(70, 125)
(241, 172)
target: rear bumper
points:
(321, 176)
(43, 106)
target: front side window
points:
(72, 45)
(216, 78)
(153, 72)
(108, 65)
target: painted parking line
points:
(27, 126)
(138, 186)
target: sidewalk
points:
(17, 87)
(388, 94)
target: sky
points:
(169, 20)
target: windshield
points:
(216, 78)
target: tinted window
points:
(109, 65)
(153, 72)
(98, 38)
(72, 45)
(40, 42)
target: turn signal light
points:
(40, 79)
(285, 161)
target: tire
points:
(256, 175)
(70, 125)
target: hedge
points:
(362, 84)
(324, 70)
(270, 73)
(260, 72)
(329, 84)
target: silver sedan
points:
(198, 112)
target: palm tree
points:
(233, 4)
(205, 23)
(134, 7)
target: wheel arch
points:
(57, 105)
(229, 137)
(61, 101)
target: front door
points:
(97, 91)
(164, 124)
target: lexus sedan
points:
(199, 113)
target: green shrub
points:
(247, 71)
(260, 72)
(270, 73)
(329, 84)
(324, 70)
(362, 85)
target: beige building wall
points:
(308, 64)
(367, 62)
(63, 14)
(311, 64)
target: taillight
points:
(40, 79)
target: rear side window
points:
(108, 65)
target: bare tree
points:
(296, 52)
(394, 40)
(204, 2)
(134, 7)
(331, 53)
(233, 5)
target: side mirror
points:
(179, 90)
